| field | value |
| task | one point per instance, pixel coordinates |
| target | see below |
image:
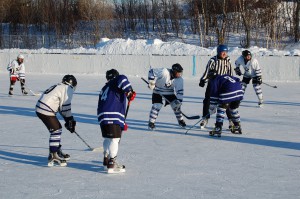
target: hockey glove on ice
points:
(70, 124)
(238, 71)
(202, 83)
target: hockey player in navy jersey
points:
(57, 99)
(225, 93)
(111, 116)
(166, 83)
(252, 71)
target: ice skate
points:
(203, 123)
(182, 123)
(230, 124)
(260, 103)
(62, 154)
(151, 126)
(236, 129)
(10, 93)
(216, 131)
(105, 160)
(54, 158)
(24, 92)
(114, 167)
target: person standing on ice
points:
(222, 65)
(111, 116)
(17, 73)
(225, 94)
(166, 83)
(252, 71)
(56, 99)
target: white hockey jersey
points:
(251, 68)
(55, 99)
(164, 85)
(19, 69)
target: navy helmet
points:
(177, 68)
(222, 48)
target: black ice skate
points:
(182, 123)
(203, 123)
(62, 154)
(10, 93)
(54, 158)
(151, 126)
(230, 124)
(24, 92)
(105, 160)
(236, 129)
(216, 131)
(260, 103)
(114, 167)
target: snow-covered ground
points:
(263, 162)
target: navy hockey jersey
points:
(112, 101)
(225, 89)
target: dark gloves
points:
(202, 83)
(70, 124)
(238, 71)
(131, 95)
(257, 80)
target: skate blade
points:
(52, 164)
(115, 171)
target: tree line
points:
(265, 23)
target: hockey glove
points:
(238, 71)
(257, 80)
(12, 71)
(125, 127)
(176, 104)
(202, 83)
(151, 85)
(131, 95)
(70, 124)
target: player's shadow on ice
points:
(23, 158)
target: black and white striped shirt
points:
(222, 66)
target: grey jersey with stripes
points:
(222, 66)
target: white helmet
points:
(20, 56)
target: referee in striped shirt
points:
(221, 63)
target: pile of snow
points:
(118, 46)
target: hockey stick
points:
(32, 92)
(92, 149)
(269, 85)
(197, 123)
(187, 117)
(126, 113)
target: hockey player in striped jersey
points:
(225, 94)
(57, 99)
(166, 83)
(111, 116)
(252, 71)
(17, 73)
(222, 65)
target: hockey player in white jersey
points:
(57, 99)
(166, 83)
(252, 71)
(17, 73)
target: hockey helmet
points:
(177, 68)
(245, 53)
(20, 56)
(70, 80)
(222, 48)
(112, 73)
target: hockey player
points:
(17, 73)
(56, 99)
(251, 71)
(222, 65)
(168, 84)
(111, 116)
(225, 94)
